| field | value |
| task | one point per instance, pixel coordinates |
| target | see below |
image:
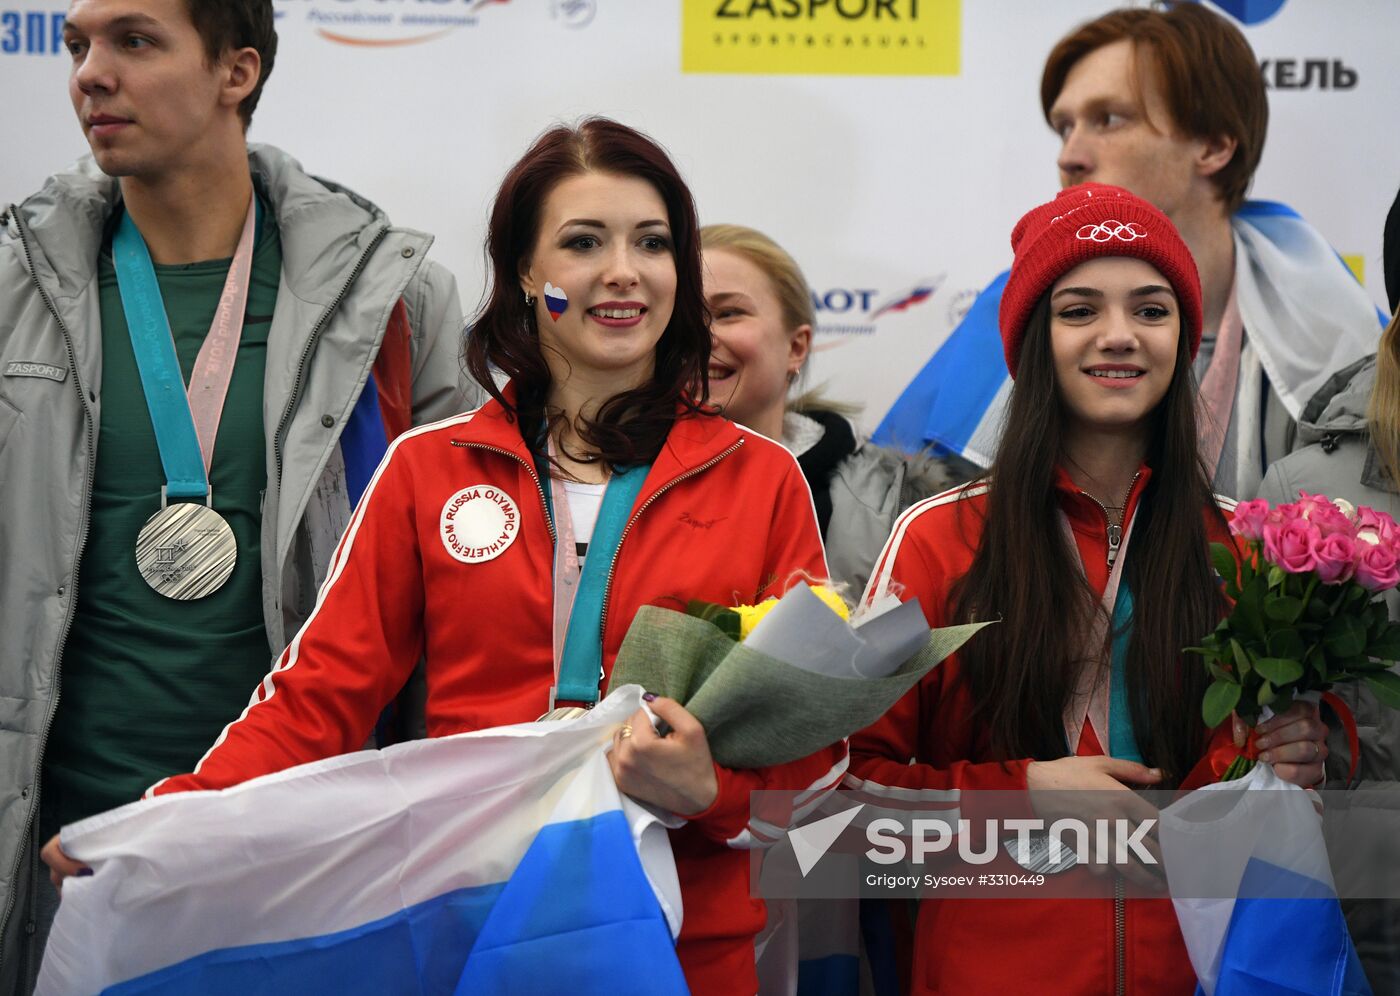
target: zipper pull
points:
(1115, 537)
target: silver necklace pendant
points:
(186, 551)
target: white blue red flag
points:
(498, 861)
(1254, 893)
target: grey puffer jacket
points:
(868, 488)
(1337, 459)
(343, 270)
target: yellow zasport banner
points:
(822, 37)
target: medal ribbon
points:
(1216, 398)
(1090, 702)
(186, 422)
(578, 593)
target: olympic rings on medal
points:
(1110, 229)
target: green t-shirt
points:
(149, 682)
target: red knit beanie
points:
(1084, 222)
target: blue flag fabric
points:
(1250, 879)
(499, 861)
(1252, 963)
(363, 441)
(955, 393)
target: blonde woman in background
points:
(1349, 435)
(761, 323)
(761, 320)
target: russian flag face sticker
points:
(555, 300)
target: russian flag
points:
(957, 401)
(1249, 877)
(498, 861)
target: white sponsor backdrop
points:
(876, 185)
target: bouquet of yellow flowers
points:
(777, 681)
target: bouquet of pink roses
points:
(1306, 613)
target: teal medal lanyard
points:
(579, 593)
(1101, 697)
(185, 550)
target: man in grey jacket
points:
(117, 669)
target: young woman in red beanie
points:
(1089, 540)
(602, 438)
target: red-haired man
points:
(1171, 105)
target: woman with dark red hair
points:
(510, 547)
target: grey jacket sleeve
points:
(441, 387)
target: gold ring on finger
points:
(625, 732)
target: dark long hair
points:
(629, 427)
(1023, 673)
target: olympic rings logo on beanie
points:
(1085, 222)
(1111, 229)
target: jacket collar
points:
(1338, 410)
(694, 440)
(324, 227)
(1084, 512)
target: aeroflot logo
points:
(854, 311)
(386, 23)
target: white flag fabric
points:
(1250, 879)
(499, 861)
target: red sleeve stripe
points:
(760, 833)
(884, 565)
(895, 793)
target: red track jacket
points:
(724, 515)
(1002, 945)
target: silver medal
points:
(1035, 856)
(186, 551)
(563, 712)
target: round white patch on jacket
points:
(479, 523)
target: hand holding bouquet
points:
(1306, 613)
